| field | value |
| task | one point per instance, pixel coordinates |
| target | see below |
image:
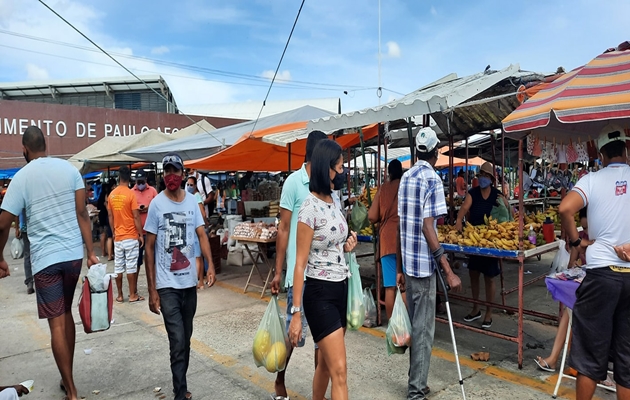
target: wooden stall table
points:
(260, 256)
(520, 256)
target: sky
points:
(212, 51)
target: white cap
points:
(426, 140)
(610, 133)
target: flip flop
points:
(274, 397)
(62, 387)
(542, 364)
(138, 300)
(120, 301)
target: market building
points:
(75, 114)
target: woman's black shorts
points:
(325, 306)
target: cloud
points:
(393, 50)
(160, 50)
(35, 73)
(282, 75)
(433, 11)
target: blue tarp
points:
(8, 173)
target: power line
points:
(126, 69)
(279, 63)
(178, 65)
(284, 85)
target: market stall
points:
(256, 238)
(468, 106)
(570, 109)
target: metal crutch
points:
(450, 325)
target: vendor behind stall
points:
(479, 204)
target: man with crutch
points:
(420, 202)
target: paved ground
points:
(131, 359)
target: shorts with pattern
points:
(55, 288)
(126, 256)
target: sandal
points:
(138, 300)
(274, 397)
(62, 386)
(542, 364)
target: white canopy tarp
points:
(204, 144)
(438, 96)
(109, 150)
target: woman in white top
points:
(322, 239)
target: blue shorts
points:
(388, 266)
(290, 316)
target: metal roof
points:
(83, 86)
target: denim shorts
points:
(302, 341)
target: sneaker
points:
(486, 324)
(30, 289)
(470, 318)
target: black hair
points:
(614, 149)
(194, 179)
(426, 156)
(33, 139)
(313, 138)
(325, 156)
(124, 173)
(395, 170)
(582, 213)
(460, 173)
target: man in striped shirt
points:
(420, 202)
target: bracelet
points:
(576, 243)
(437, 254)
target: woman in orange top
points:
(384, 211)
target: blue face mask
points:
(484, 182)
(191, 189)
(142, 186)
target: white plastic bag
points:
(96, 275)
(561, 260)
(17, 248)
(370, 308)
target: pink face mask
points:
(173, 182)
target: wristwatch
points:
(295, 310)
(576, 243)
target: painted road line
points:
(230, 363)
(546, 387)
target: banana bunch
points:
(491, 235)
(363, 198)
(367, 231)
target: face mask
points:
(173, 182)
(484, 182)
(339, 179)
(142, 186)
(191, 189)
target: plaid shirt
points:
(420, 195)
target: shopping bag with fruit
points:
(355, 314)
(270, 343)
(398, 332)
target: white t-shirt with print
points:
(330, 230)
(176, 244)
(605, 192)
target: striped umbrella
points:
(579, 103)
